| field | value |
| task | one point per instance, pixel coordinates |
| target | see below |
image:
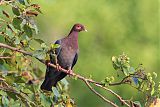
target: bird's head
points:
(78, 27)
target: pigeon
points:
(67, 55)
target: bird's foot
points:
(70, 72)
(58, 67)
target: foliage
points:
(19, 83)
(144, 81)
(137, 78)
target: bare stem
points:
(98, 94)
(5, 57)
(115, 94)
(15, 49)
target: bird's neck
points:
(73, 36)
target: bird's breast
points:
(66, 56)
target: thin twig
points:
(121, 82)
(118, 96)
(15, 49)
(98, 94)
(19, 50)
(5, 57)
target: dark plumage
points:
(67, 55)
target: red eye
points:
(78, 27)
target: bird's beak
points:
(85, 30)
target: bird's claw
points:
(58, 67)
(69, 72)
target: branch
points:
(98, 94)
(5, 57)
(86, 80)
(123, 81)
(15, 49)
(118, 96)
(19, 50)
(91, 81)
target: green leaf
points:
(29, 1)
(64, 81)
(16, 23)
(33, 88)
(19, 79)
(132, 70)
(9, 33)
(2, 67)
(27, 30)
(5, 101)
(40, 41)
(2, 93)
(22, 2)
(125, 71)
(30, 47)
(14, 103)
(152, 92)
(15, 11)
(126, 65)
(40, 54)
(33, 25)
(45, 100)
(155, 74)
(10, 79)
(43, 45)
(137, 103)
(1, 62)
(17, 41)
(27, 91)
(11, 27)
(55, 91)
(12, 95)
(54, 46)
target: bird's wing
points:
(57, 51)
(75, 60)
(51, 73)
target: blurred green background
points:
(114, 27)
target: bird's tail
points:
(47, 84)
(51, 78)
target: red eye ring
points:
(78, 27)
